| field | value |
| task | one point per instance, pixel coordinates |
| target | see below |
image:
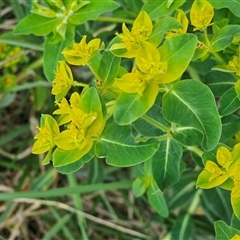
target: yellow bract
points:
(63, 80)
(81, 53)
(224, 157)
(48, 131)
(134, 82)
(182, 18)
(148, 60)
(227, 176)
(201, 14)
(141, 30)
(73, 138)
(234, 64)
(235, 237)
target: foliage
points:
(163, 98)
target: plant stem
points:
(159, 138)
(196, 150)
(78, 84)
(155, 123)
(216, 55)
(195, 201)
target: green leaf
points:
(139, 186)
(161, 8)
(30, 85)
(166, 163)
(188, 136)
(65, 157)
(95, 171)
(224, 37)
(233, 5)
(164, 25)
(229, 102)
(129, 107)
(57, 227)
(235, 222)
(35, 24)
(177, 51)
(219, 82)
(92, 11)
(157, 200)
(223, 231)
(216, 203)
(182, 192)
(191, 104)
(108, 68)
(230, 126)
(52, 53)
(29, 42)
(7, 99)
(183, 227)
(75, 166)
(121, 148)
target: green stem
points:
(159, 138)
(193, 73)
(216, 55)
(155, 123)
(195, 201)
(78, 84)
(196, 150)
(114, 20)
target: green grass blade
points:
(56, 192)
(57, 227)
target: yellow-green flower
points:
(7, 81)
(48, 131)
(234, 65)
(84, 121)
(64, 112)
(211, 176)
(73, 138)
(201, 14)
(182, 18)
(63, 80)
(129, 45)
(224, 157)
(59, 10)
(148, 60)
(214, 175)
(81, 53)
(134, 82)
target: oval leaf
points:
(191, 103)
(223, 38)
(121, 148)
(177, 51)
(157, 200)
(130, 107)
(229, 102)
(166, 163)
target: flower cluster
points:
(80, 120)
(137, 44)
(201, 14)
(61, 12)
(224, 173)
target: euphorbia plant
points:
(178, 93)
